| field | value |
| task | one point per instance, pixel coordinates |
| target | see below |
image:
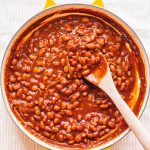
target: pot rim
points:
(37, 17)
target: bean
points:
(74, 126)
(52, 137)
(17, 86)
(51, 42)
(49, 72)
(92, 37)
(127, 82)
(42, 86)
(55, 129)
(61, 138)
(34, 88)
(42, 126)
(80, 31)
(32, 56)
(62, 62)
(56, 108)
(59, 86)
(37, 112)
(78, 138)
(104, 51)
(131, 79)
(55, 50)
(82, 60)
(129, 73)
(58, 116)
(123, 78)
(41, 101)
(99, 31)
(69, 137)
(14, 61)
(119, 81)
(112, 68)
(116, 114)
(19, 78)
(73, 97)
(68, 29)
(56, 63)
(77, 81)
(101, 41)
(71, 142)
(119, 72)
(122, 87)
(20, 92)
(64, 82)
(37, 70)
(104, 106)
(85, 19)
(65, 38)
(12, 79)
(33, 81)
(18, 74)
(37, 129)
(69, 106)
(72, 70)
(79, 117)
(26, 77)
(85, 72)
(42, 51)
(107, 130)
(50, 115)
(93, 60)
(93, 128)
(31, 104)
(41, 43)
(29, 98)
(13, 95)
(74, 63)
(69, 112)
(84, 87)
(51, 124)
(118, 120)
(83, 135)
(106, 119)
(68, 91)
(69, 129)
(88, 54)
(63, 105)
(31, 125)
(91, 46)
(78, 68)
(102, 133)
(66, 69)
(46, 134)
(111, 124)
(56, 120)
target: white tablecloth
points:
(13, 13)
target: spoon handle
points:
(136, 126)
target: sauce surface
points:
(46, 89)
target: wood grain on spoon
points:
(101, 77)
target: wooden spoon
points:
(101, 77)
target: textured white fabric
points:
(13, 13)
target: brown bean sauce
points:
(46, 89)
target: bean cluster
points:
(46, 86)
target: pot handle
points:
(50, 3)
(99, 3)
